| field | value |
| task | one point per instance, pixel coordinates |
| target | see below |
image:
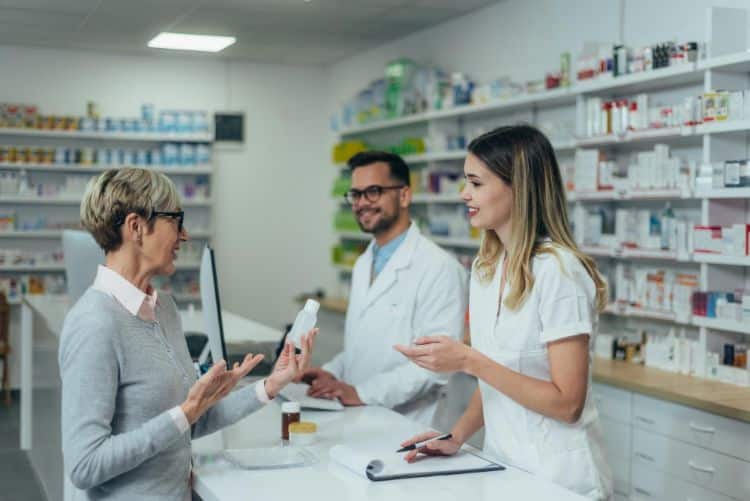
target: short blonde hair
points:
(115, 193)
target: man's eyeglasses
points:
(371, 193)
(177, 215)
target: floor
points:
(17, 479)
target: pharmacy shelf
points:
(48, 234)
(663, 78)
(634, 195)
(95, 168)
(721, 324)
(353, 235)
(343, 267)
(436, 198)
(465, 243)
(54, 234)
(185, 298)
(546, 98)
(61, 267)
(33, 267)
(598, 251)
(735, 63)
(640, 137)
(724, 193)
(627, 253)
(633, 312)
(187, 266)
(671, 76)
(593, 196)
(702, 257)
(449, 155)
(724, 127)
(435, 156)
(110, 136)
(68, 200)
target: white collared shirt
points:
(143, 305)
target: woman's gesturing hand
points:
(290, 366)
(437, 353)
(215, 385)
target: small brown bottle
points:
(289, 414)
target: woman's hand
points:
(446, 447)
(290, 366)
(437, 353)
(215, 385)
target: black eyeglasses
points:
(178, 215)
(371, 193)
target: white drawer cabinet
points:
(613, 403)
(617, 437)
(621, 468)
(650, 484)
(702, 467)
(720, 434)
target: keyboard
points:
(297, 392)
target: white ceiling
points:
(276, 31)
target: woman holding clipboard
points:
(533, 304)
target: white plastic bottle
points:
(306, 320)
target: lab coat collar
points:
(401, 259)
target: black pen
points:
(420, 444)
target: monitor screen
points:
(209, 284)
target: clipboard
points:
(378, 464)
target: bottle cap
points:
(312, 306)
(290, 407)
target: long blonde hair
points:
(522, 157)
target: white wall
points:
(524, 38)
(272, 215)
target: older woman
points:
(131, 400)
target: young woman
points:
(533, 306)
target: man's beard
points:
(384, 224)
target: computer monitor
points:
(211, 304)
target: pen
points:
(420, 444)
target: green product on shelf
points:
(399, 75)
(340, 186)
(345, 150)
(337, 253)
(408, 146)
(344, 220)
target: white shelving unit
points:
(714, 142)
(150, 137)
(64, 205)
(96, 168)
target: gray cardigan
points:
(120, 377)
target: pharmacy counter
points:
(323, 480)
(707, 395)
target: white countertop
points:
(327, 481)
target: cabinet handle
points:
(645, 456)
(704, 469)
(642, 491)
(702, 429)
(645, 420)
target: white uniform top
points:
(421, 291)
(561, 304)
